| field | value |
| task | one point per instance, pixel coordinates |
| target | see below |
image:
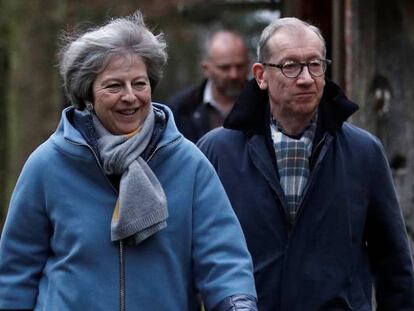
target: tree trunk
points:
(4, 72)
(33, 99)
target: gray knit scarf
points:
(141, 208)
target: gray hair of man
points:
(213, 35)
(292, 23)
(83, 57)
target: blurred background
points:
(371, 43)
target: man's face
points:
(227, 66)
(292, 98)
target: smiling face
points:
(292, 100)
(122, 94)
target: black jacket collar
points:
(251, 112)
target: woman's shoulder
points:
(222, 140)
(187, 151)
(42, 157)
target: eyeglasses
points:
(290, 69)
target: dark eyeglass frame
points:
(324, 62)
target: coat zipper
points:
(121, 251)
(122, 287)
(161, 147)
(96, 159)
(122, 277)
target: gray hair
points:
(292, 23)
(212, 36)
(82, 58)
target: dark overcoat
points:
(349, 233)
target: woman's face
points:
(122, 94)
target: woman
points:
(116, 210)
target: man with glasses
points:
(313, 193)
(203, 107)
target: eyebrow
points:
(300, 58)
(115, 79)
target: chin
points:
(306, 107)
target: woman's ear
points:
(259, 74)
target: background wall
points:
(382, 40)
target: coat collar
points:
(251, 112)
(77, 130)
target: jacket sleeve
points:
(222, 263)
(24, 244)
(387, 241)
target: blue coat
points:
(349, 233)
(56, 253)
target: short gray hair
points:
(212, 36)
(293, 23)
(83, 57)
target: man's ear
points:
(205, 66)
(260, 75)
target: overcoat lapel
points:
(261, 158)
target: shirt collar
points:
(311, 127)
(208, 98)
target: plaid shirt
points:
(292, 157)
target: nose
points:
(128, 94)
(234, 72)
(305, 75)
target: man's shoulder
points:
(222, 135)
(187, 99)
(221, 140)
(360, 140)
(358, 134)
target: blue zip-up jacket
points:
(56, 253)
(349, 233)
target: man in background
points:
(203, 107)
